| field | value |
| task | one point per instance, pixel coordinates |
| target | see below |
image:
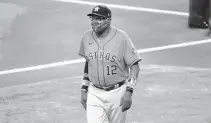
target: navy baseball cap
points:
(101, 10)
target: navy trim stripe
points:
(97, 59)
(104, 78)
(110, 39)
(103, 70)
(134, 61)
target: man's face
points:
(99, 23)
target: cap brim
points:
(95, 14)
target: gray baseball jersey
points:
(109, 58)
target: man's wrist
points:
(85, 82)
(84, 88)
(129, 89)
(131, 82)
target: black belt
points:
(109, 88)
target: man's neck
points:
(104, 33)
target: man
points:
(199, 14)
(111, 69)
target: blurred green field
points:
(162, 95)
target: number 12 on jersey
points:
(111, 69)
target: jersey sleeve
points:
(131, 54)
(81, 50)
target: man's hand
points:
(126, 101)
(83, 98)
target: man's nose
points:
(94, 20)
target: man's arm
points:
(85, 85)
(86, 81)
(133, 76)
(134, 70)
(126, 100)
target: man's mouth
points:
(95, 25)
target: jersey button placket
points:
(101, 66)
